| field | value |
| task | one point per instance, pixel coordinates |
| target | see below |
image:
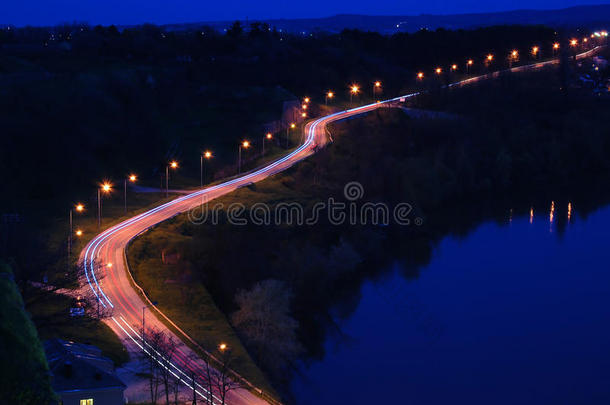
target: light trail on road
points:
(110, 245)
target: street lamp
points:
(245, 145)
(469, 63)
(420, 75)
(555, 47)
(573, 44)
(304, 115)
(535, 51)
(376, 86)
(306, 100)
(454, 67)
(174, 165)
(132, 178)
(79, 232)
(205, 155)
(288, 128)
(105, 188)
(514, 56)
(329, 95)
(488, 61)
(222, 347)
(268, 136)
(78, 208)
(354, 89)
(438, 70)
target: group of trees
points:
(267, 327)
(200, 379)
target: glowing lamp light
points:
(222, 347)
(514, 53)
(490, 57)
(470, 62)
(535, 50)
(173, 165)
(106, 187)
(304, 115)
(269, 136)
(573, 42)
(109, 265)
(377, 84)
(306, 99)
(245, 144)
(330, 94)
(355, 89)
(133, 178)
(293, 125)
(79, 207)
(454, 67)
(79, 232)
(556, 45)
(438, 71)
(207, 154)
(420, 75)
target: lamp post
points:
(79, 208)
(574, 44)
(154, 303)
(353, 90)
(469, 63)
(268, 136)
(132, 178)
(514, 57)
(555, 48)
(174, 165)
(288, 128)
(329, 95)
(205, 155)
(245, 145)
(106, 188)
(535, 51)
(376, 86)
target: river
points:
(512, 313)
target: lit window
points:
(86, 401)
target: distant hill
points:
(580, 16)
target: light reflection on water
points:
(505, 315)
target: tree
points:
(263, 320)
(219, 378)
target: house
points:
(80, 375)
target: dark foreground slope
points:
(24, 373)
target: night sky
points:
(45, 12)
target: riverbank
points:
(453, 173)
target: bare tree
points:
(167, 347)
(221, 377)
(92, 293)
(151, 356)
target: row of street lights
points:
(354, 90)
(514, 55)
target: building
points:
(81, 376)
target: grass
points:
(188, 304)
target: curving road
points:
(113, 285)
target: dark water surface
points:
(515, 313)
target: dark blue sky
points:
(47, 12)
